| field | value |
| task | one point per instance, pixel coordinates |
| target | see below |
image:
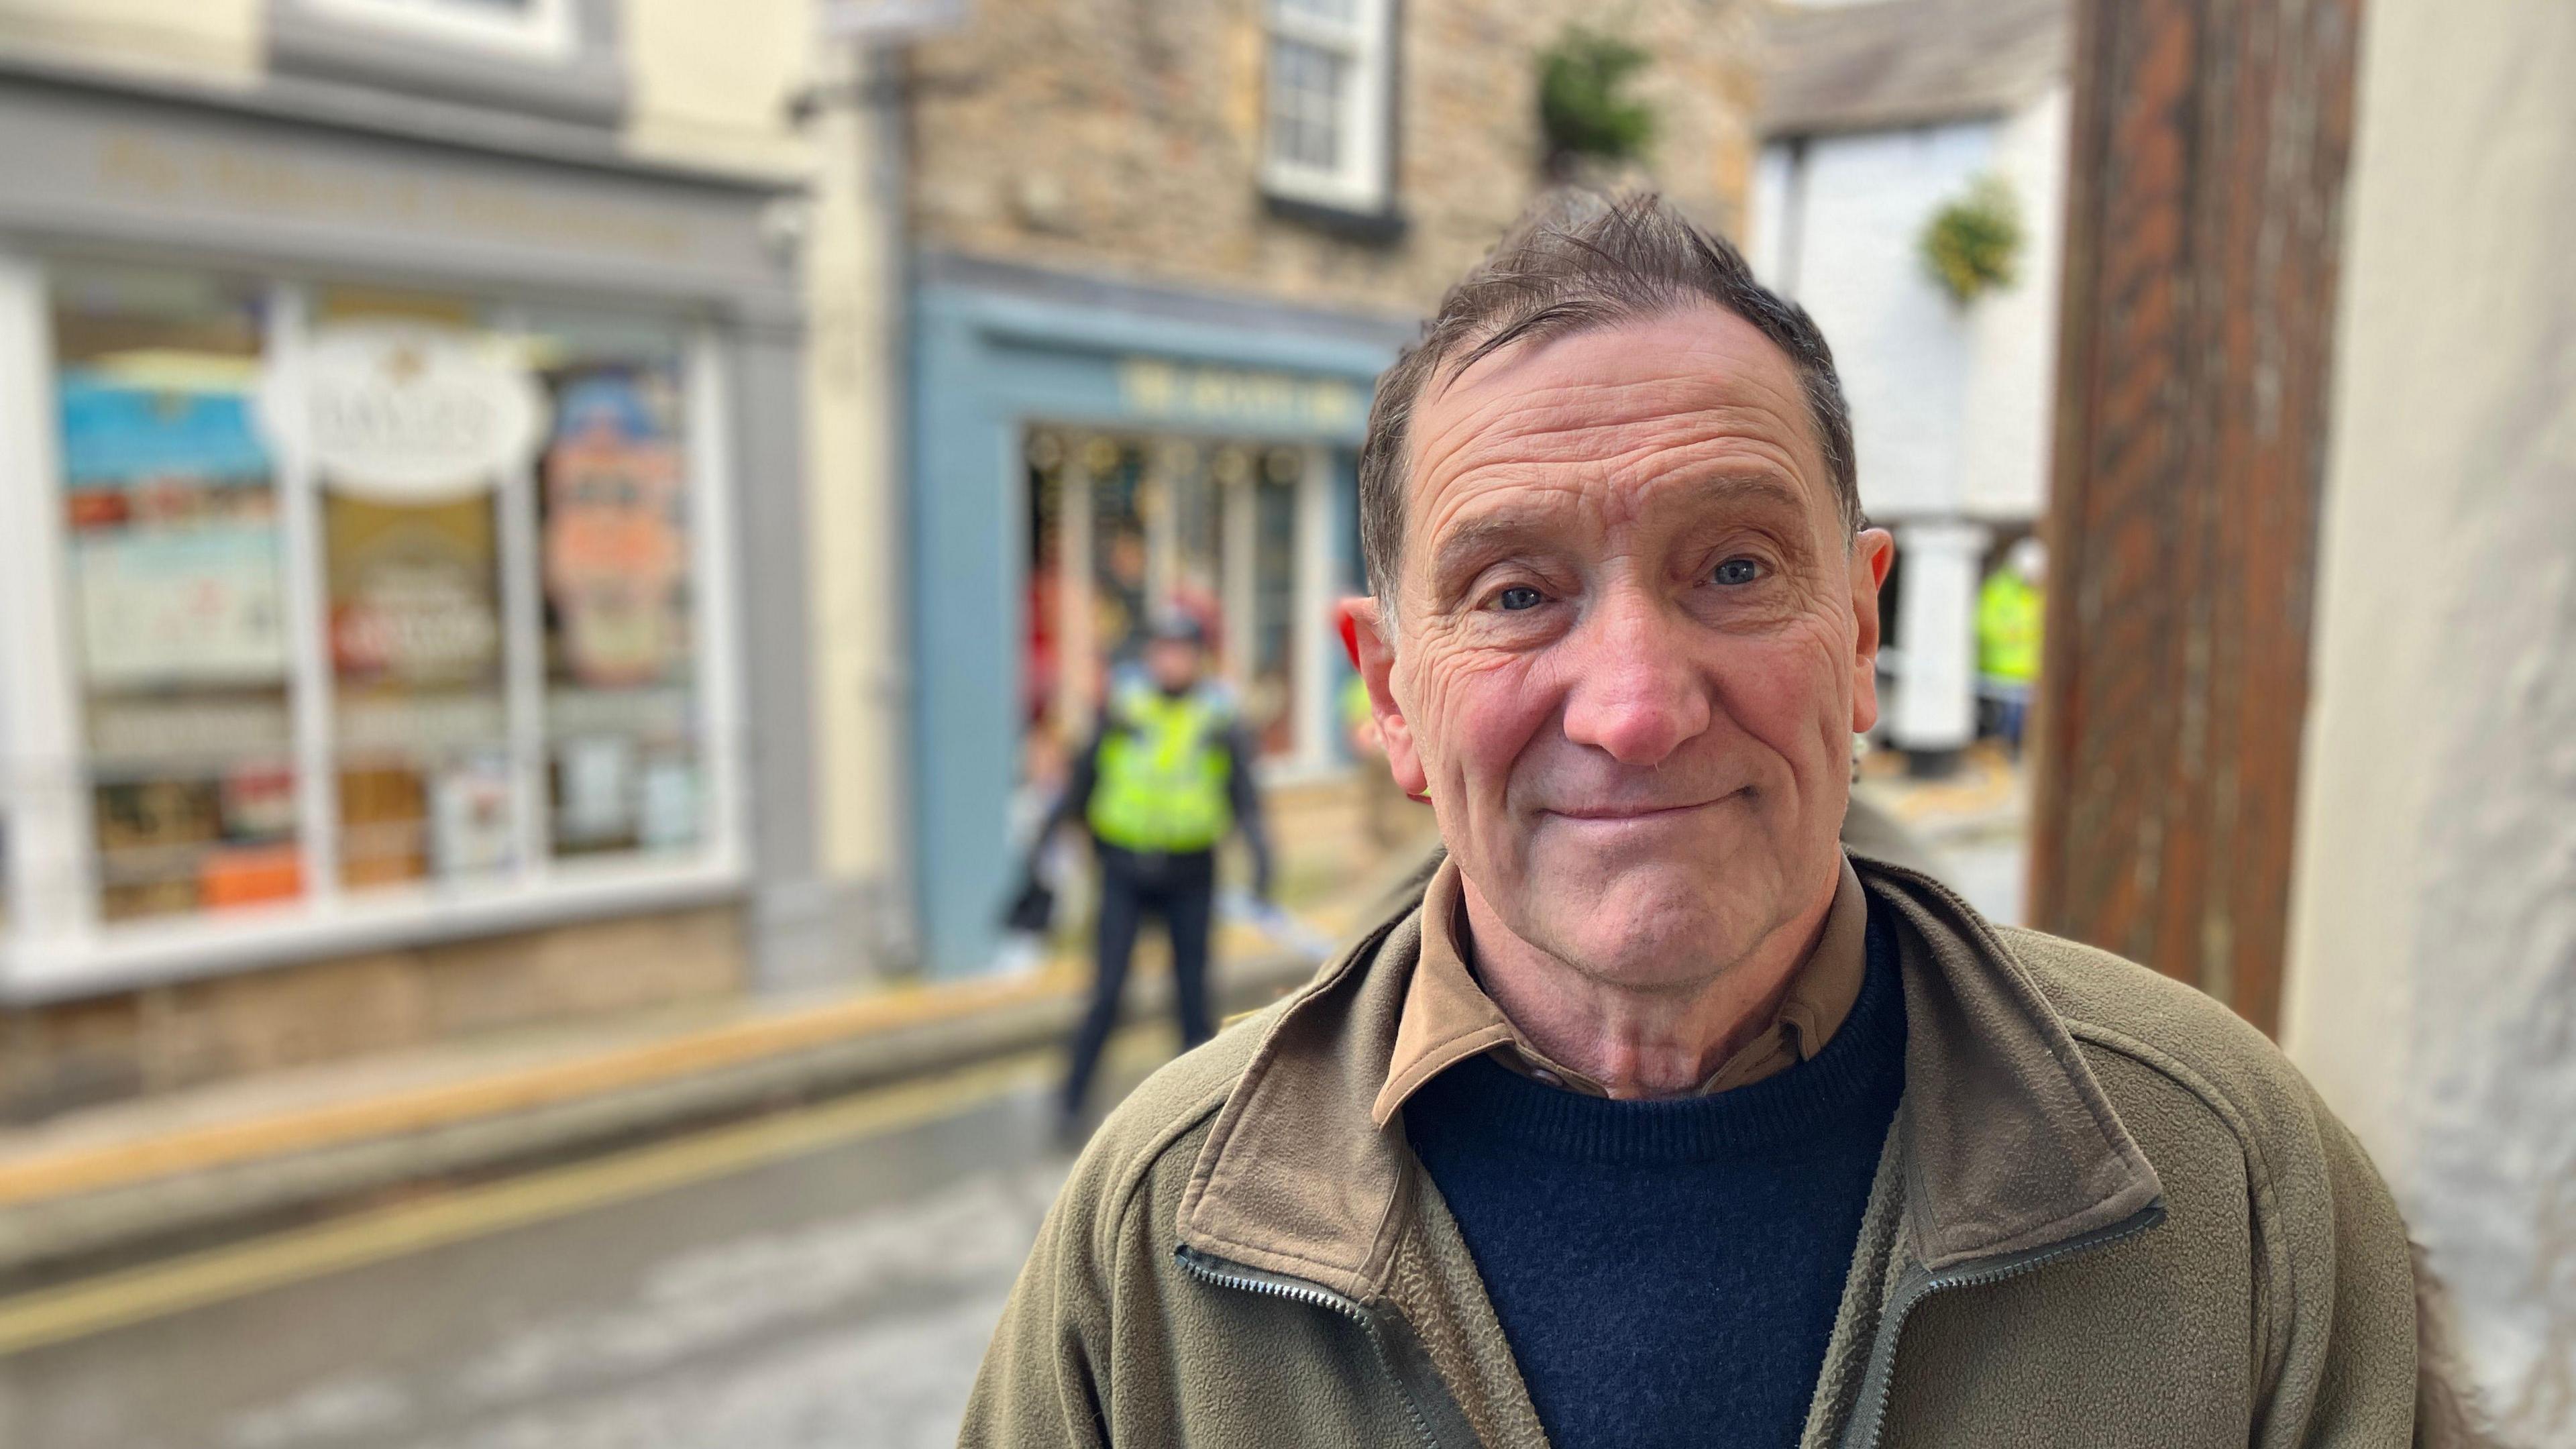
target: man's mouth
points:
(1642, 810)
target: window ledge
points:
(1381, 227)
(156, 952)
(589, 88)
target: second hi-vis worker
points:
(1159, 788)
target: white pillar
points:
(1936, 632)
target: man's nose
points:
(1636, 694)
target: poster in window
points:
(413, 595)
(402, 412)
(174, 535)
(469, 806)
(598, 790)
(615, 557)
(181, 606)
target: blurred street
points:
(839, 1294)
(1972, 825)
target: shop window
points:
(170, 510)
(396, 594)
(1329, 103)
(622, 749)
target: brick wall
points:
(1123, 136)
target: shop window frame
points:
(566, 64)
(1357, 194)
(1313, 752)
(53, 941)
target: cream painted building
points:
(445, 517)
(2432, 987)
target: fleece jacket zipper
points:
(1438, 1422)
(1869, 1417)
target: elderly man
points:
(1652, 1118)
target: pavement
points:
(96, 1189)
(791, 1228)
(828, 1275)
(1971, 825)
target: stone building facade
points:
(1126, 137)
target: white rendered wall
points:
(2012, 377)
(1766, 236)
(1950, 403)
(2432, 995)
(1901, 344)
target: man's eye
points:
(1738, 571)
(1517, 598)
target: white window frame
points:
(53, 943)
(1362, 182)
(545, 33)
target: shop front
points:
(1086, 455)
(369, 513)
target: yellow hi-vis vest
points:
(2009, 609)
(1163, 771)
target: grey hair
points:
(1578, 260)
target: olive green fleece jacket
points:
(2109, 1213)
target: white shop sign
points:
(401, 413)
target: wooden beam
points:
(2203, 240)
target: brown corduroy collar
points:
(1448, 1018)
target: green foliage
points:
(1579, 100)
(1973, 244)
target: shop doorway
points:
(1232, 532)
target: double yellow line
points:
(94, 1305)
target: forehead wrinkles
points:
(1577, 439)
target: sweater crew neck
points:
(1482, 1106)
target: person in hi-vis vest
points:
(1167, 777)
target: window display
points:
(614, 519)
(419, 717)
(401, 590)
(170, 503)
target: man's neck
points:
(1638, 1042)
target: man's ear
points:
(1373, 650)
(1873, 553)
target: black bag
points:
(1033, 909)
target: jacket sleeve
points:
(1244, 794)
(1041, 1380)
(2349, 1376)
(1073, 807)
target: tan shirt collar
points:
(1448, 1018)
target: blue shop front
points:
(1085, 453)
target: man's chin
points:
(1651, 928)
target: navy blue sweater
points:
(1668, 1272)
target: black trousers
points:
(1181, 889)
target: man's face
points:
(1635, 643)
(1173, 664)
